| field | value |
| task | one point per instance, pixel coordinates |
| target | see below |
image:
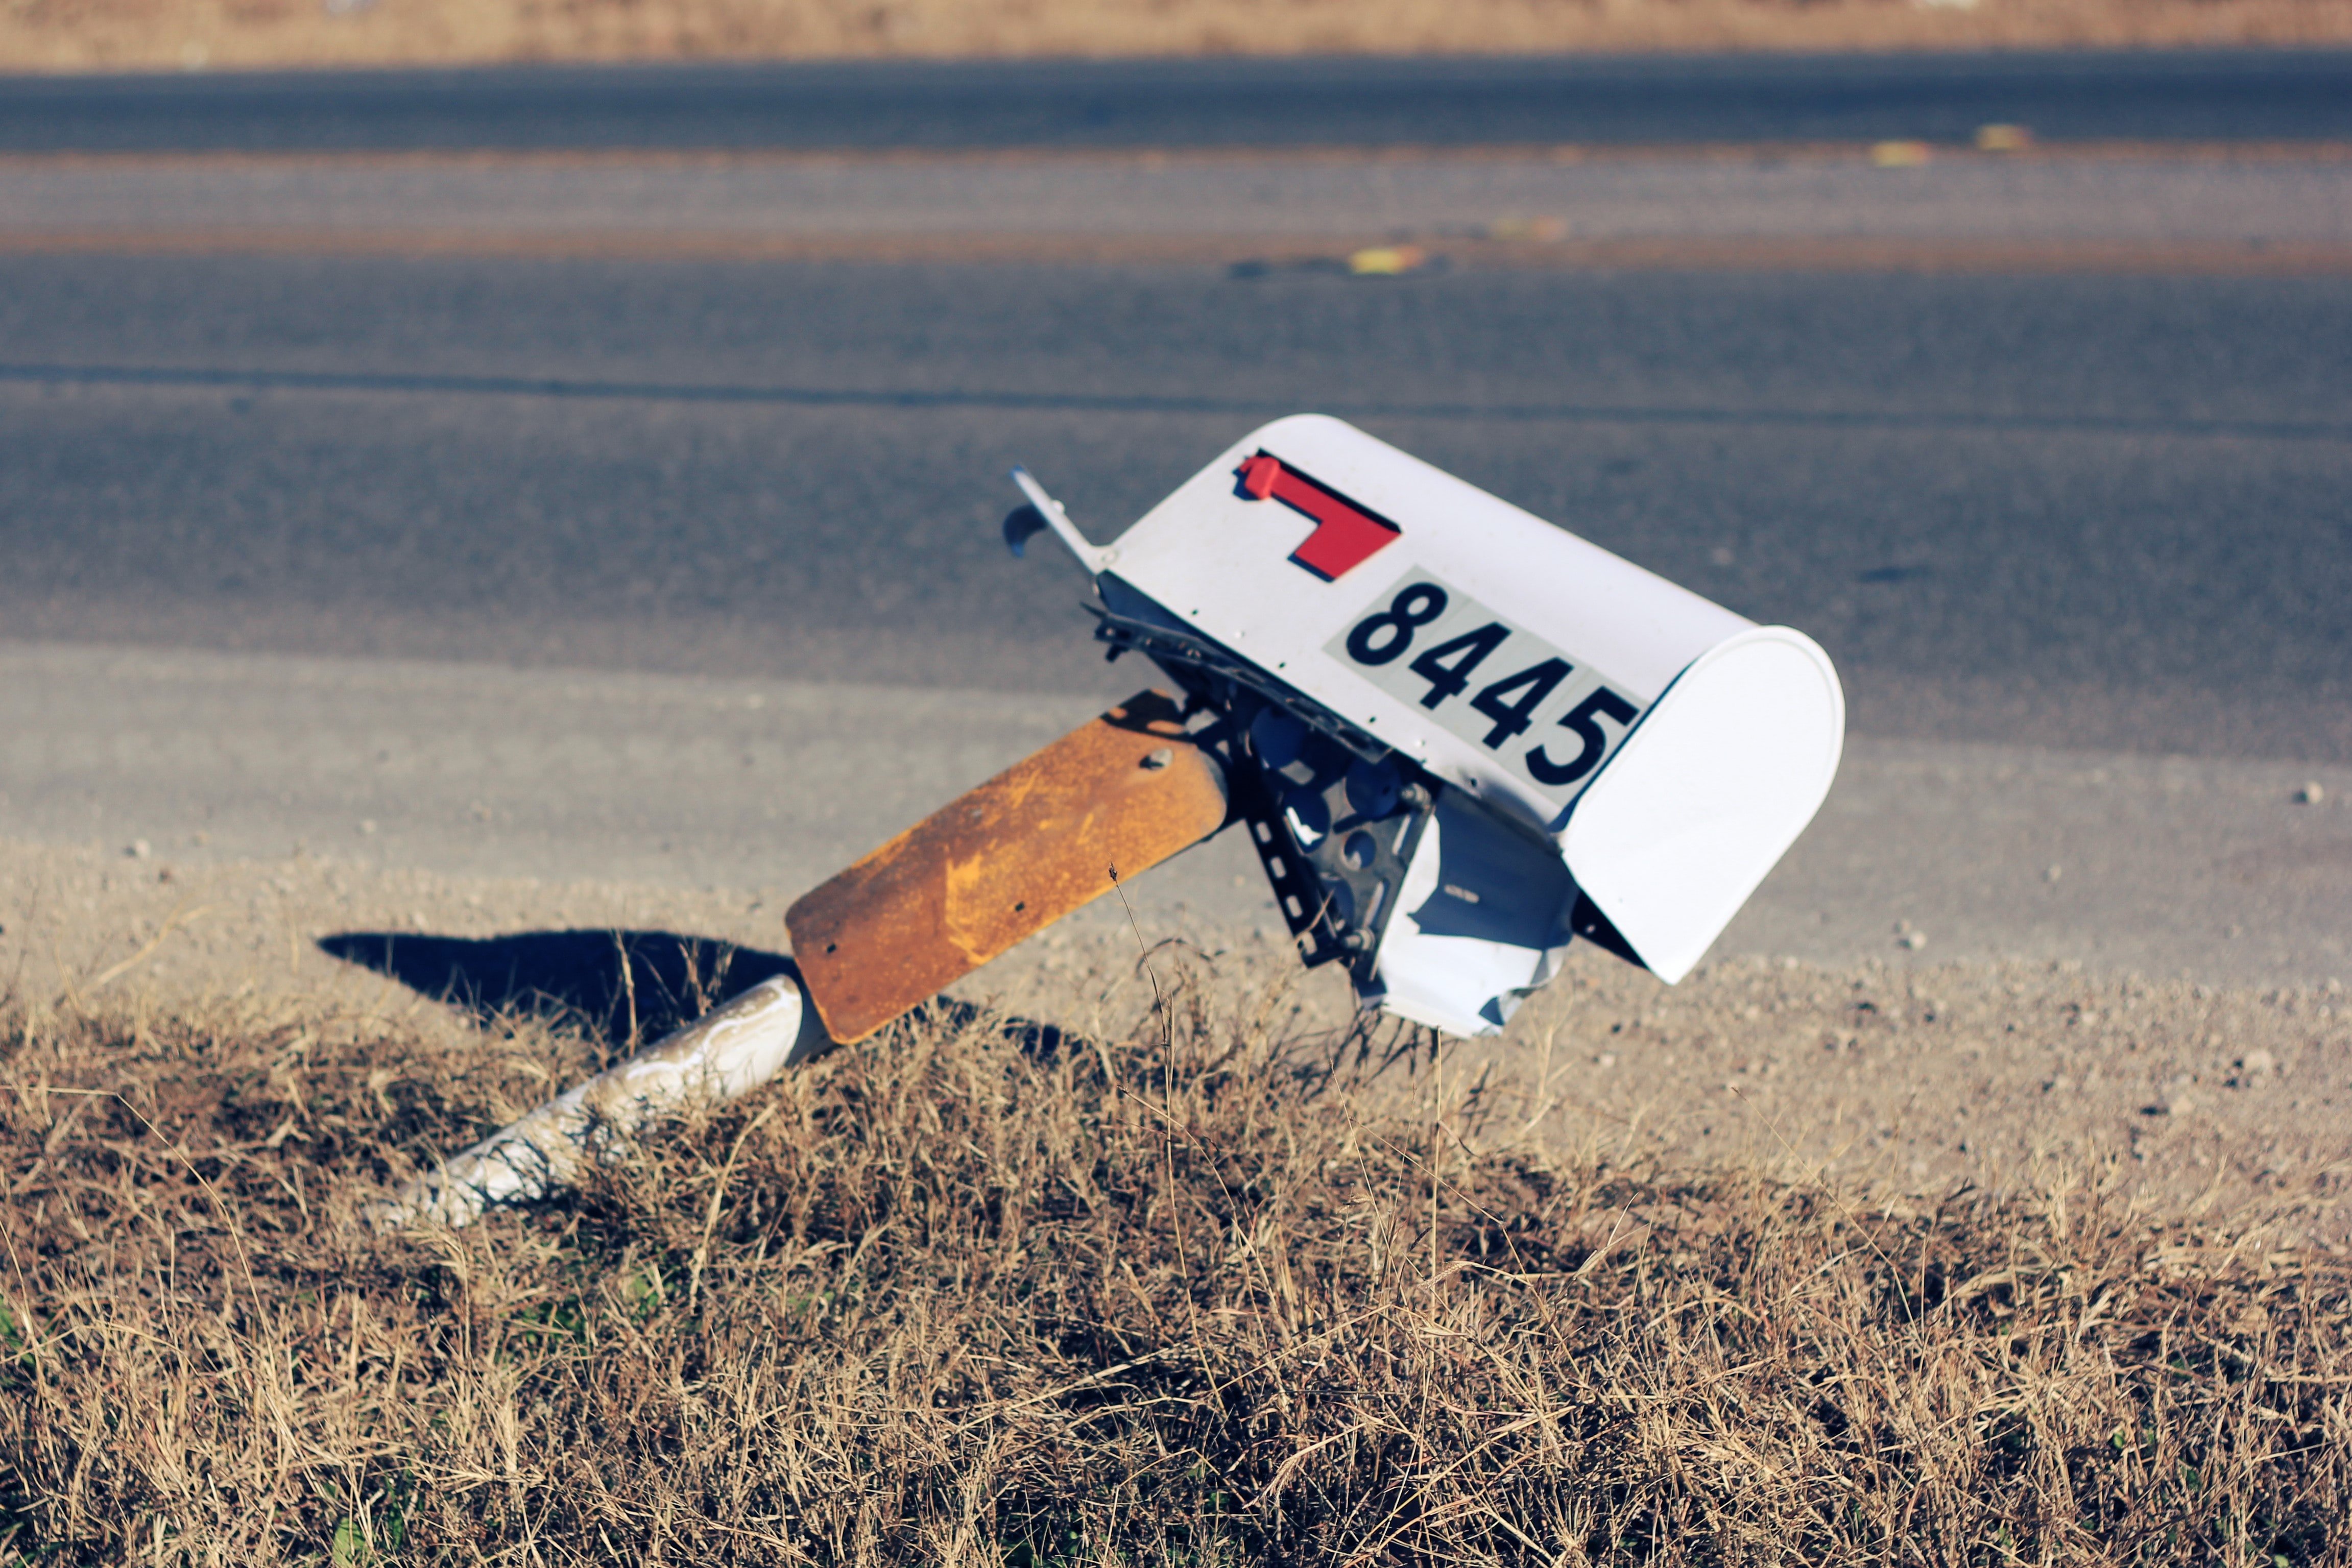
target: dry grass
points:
(1181, 1292)
(84, 35)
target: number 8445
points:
(1508, 705)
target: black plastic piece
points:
(1587, 921)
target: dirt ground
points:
(173, 35)
(2205, 1102)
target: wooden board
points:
(1003, 862)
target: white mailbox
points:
(1495, 734)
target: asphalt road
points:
(2069, 511)
(2166, 97)
(400, 510)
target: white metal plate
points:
(1551, 721)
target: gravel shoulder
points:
(2224, 1104)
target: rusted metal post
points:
(1041, 839)
(1112, 798)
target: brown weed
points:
(975, 1292)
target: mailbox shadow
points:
(625, 987)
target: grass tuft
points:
(977, 1293)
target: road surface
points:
(490, 514)
(2161, 95)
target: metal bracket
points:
(1044, 512)
(1335, 833)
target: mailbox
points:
(1461, 737)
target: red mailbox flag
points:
(1345, 536)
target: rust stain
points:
(1003, 862)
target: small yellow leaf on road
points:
(1900, 154)
(1386, 260)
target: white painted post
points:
(724, 1054)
